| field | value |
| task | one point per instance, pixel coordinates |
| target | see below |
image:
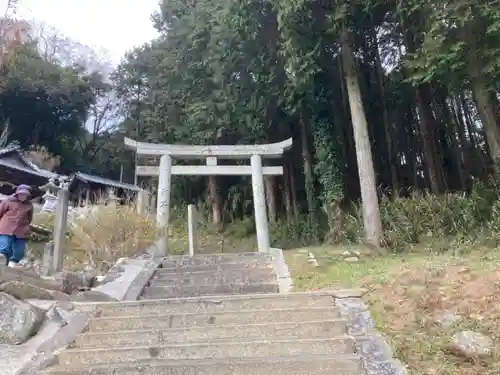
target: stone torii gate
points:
(211, 154)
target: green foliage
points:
(249, 72)
(329, 157)
(57, 100)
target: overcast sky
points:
(114, 25)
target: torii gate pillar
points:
(259, 203)
(163, 202)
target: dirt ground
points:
(407, 294)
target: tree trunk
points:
(481, 92)
(459, 119)
(427, 132)
(486, 112)
(471, 129)
(350, 187)
(473, 158)
(371, 211)
(385, 117)
(215, 200)
(427, 123)
(458, 149)
(308, 169)
(496, 106)
(287, 192)
(293, 188)
(271, 198)
(414, 152)
(463, 144)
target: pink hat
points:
(23, 189)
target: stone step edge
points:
(216, 342)
(233, 312)
(203, 328)
(209, 362)
(212, 267)
(181, 286)
(208, 343)
(151, 296)
(217, 263)
(159, 283)
(208, 255)
(166, 267)
(217, 272)
(336, 293)
(220, 259)
(243, 262)
(210, 277)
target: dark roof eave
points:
(89, 179)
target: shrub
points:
(290, 233)
(440, 221)
(415, 220)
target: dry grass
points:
(107, 233)
(45, 220)
(407, 293)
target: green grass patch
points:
(407, 293)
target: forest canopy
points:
(393, 107)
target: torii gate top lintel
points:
(267, 151)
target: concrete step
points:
(299, 365)
(240, 317)
(173, 291)
(215, 259)
(306, 329)
(170, 267)
(258, 348)
(213, 304)
(265, 275)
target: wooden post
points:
(192, 229)
(87, 196)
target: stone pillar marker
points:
(210, 155)
(192, 229)
(143, 202)
(259, 203)
(163, 202)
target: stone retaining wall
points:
(375, 352)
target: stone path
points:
(222, 315)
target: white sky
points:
(114, 25)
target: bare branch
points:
(55, 47)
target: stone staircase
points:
(184, 276)
(217, 315)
